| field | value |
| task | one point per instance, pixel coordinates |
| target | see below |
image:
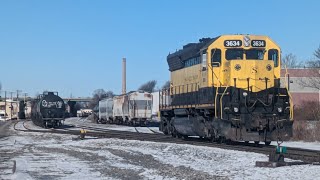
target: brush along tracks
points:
(306, 155)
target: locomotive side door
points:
(204, 69)
(215, 64)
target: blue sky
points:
(75, 47)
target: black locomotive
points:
(48, 110)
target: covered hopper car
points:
(133, 108)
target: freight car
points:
(227, 89)
(105, 111)
(133, 108)
(48, 110)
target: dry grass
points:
(307, 122)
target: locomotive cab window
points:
(204, 62)
(273, 55)
(234, 54)
(215, 57)
(255, 54)
(192, 61)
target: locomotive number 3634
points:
(258, 43)
(232, 43)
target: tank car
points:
(227, 88)
(48, 110)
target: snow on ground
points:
(53, 156)
(144, 130)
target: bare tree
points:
(78, 106)
(317, 53)
(148, 86)
(166, 85)
(98, 95)
(290, 61)
(316, 62)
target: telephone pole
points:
(25, 104)
(5, 104)
(11, 108)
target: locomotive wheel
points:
(267, 143)
(229, 142)
(221, 140)
(179, 135)
(173, 134)
(185, 137)
(166, 129)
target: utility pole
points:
(5, 104)
(17, 104)
(17, 95)
(11, 108)
(25, 104)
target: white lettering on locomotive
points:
(56, 104)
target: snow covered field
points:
(52, 156)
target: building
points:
(10, 108)
(298, 77)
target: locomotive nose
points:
(258, 75)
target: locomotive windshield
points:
(254, 54)
(234, 54)
(251, 54)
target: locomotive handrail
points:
(221, 100)
(290, 97)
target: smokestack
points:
(124, 76)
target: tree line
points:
(290, 61)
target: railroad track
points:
(306, 155)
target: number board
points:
(232, 43)
(258, 43)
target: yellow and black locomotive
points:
(227, 88)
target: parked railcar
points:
(227, 88)
(133, 108)
(48, 110)
(105, 111)
(155, 107)
(84, 112)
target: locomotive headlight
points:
(235, 109)
(279, 109)
(245, 94)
